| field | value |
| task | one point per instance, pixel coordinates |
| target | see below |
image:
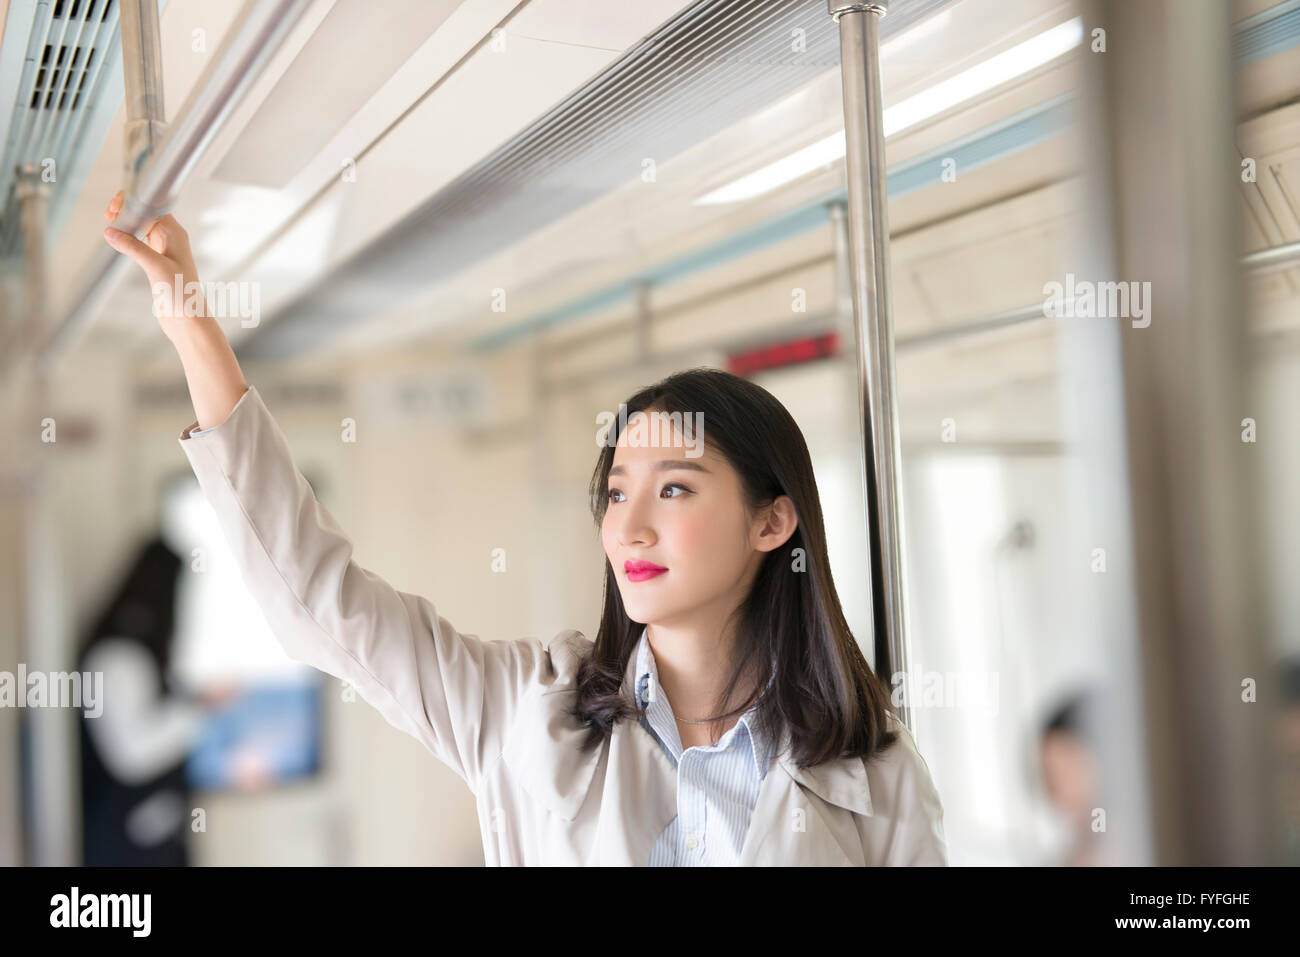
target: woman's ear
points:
(776, 523)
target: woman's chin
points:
(644, 613)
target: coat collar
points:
(761, 749)
(638, 782)
(842, 782)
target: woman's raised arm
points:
(455, 693)
(211, 370)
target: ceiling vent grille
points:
(62, 76)
(713, 64)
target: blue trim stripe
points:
(1267, 33)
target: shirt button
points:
(691, 842)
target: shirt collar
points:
(761, 748)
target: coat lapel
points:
(799, 819)
(636, 780)
(640, 796)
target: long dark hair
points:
(144, 606)
(790, 630)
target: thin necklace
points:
(704, 720)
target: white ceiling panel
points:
(350, 55)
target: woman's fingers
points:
(155, 238)
(166, 235)
(163, 255)
(163, 235)
(155, 265)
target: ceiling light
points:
(930, 102)
(996, 70)
(819, 154)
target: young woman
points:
(724, 714)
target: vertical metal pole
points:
(1167, 89)
(1104, 608)
(46, 643)
(49, 645)
(143, 76)
(874, 323)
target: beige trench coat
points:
(494, 711)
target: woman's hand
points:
(166, 260)
(211, 370)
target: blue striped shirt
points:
(717, 785)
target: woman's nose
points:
(638, 535)
(634, 526)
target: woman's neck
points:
(693, 665)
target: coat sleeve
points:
(455, 693)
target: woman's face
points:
(679, 506)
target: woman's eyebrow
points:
(665, 465)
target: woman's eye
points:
(609, 496)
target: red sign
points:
(780, 354)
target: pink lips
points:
(639, 571)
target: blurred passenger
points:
(1069, 768)
(135, 802)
